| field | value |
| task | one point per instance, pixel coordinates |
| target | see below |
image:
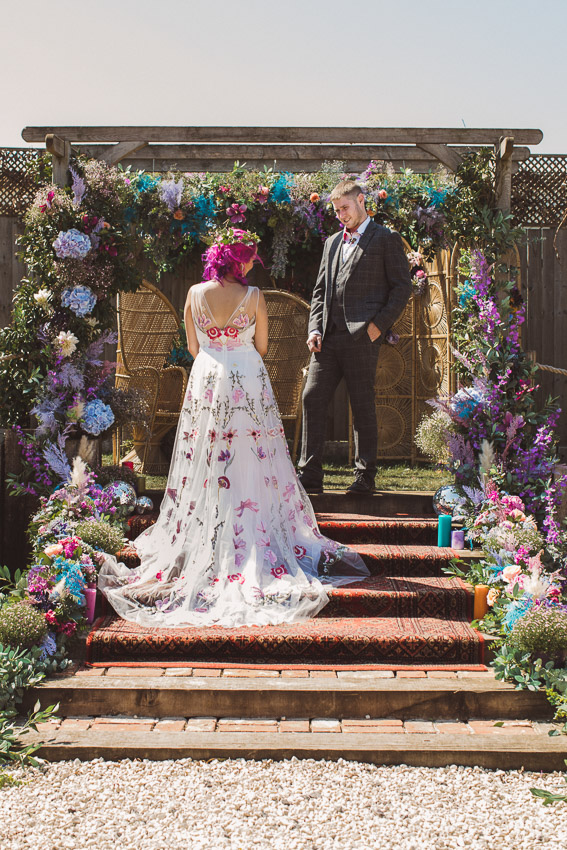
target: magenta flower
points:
(235, 212)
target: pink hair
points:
(221, 260)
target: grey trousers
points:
(355, 360)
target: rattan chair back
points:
(147, 325)
(287, 355)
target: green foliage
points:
(12, 586)
(541, 629)
(21, 625)
(12, 748)
(100, 535)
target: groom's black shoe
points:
(311, 487)
(363, 485)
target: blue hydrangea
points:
(48, 646)
(279, 191)
(466, 401)
(72, 243)
(80, 300)
(72, 576)
(97, 417)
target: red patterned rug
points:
(405, 615)
(324, 640)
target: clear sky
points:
(434, 63)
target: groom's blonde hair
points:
(346, 187)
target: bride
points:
(236, 541)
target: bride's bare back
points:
(223, 302)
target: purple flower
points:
(235, 212)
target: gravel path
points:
(292, 805)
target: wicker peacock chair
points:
(288, 355)
(147, 325)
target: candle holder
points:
(444, 530)
(90, 596)
(457, 538)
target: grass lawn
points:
(391, 476)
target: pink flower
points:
(51, 618)
(236, 577)
(214, 332)
(230, 332)
(53, 550)
(299, 551)
(492, 596)
(239, 559)
(382, 194)
(159, 576)
(270, 556)
(235, 212)
(511, 573)
(279, 571)
(224, 482)
(237, 395)
(209, 394)
(252, 506)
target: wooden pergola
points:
(162, 149)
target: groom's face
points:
(350, 210)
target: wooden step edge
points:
(242, 700)
(538, 752)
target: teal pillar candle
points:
(444, 530)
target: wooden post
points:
(503, 179)
(60, 150)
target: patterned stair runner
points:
(405, 613)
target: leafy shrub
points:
(542, 629)
(100, 535)
(21, 625)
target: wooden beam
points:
(446, 155)
(55, 145)
(226, 165)
(117, 152)
(330, 135)
(503, 176)
(244, 153)
(60, 150)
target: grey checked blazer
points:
(378, 281)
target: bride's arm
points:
(192, 342)
(261, 329)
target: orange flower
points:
(314, 197)
(179, 215)
(382, 194)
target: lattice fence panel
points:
(539, 190)
(17, 188)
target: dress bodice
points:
(238, 332)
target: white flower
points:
(43, 297)
(67, 342)
(92, 321)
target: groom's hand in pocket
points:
(373, 332)
(314, 343)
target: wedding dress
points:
(236, 541)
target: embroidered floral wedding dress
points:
(236, 541)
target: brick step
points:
(397, 596)
(159, 692)
(517, 748)
(364, 528)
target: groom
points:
(362, 288)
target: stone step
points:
(351, 694)
(512, 750)
(386, 596)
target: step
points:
(532, 751)
(365, 528)
(383, 503)
(324, 640)
(397, 596)
(380, 558)
(351, 694)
